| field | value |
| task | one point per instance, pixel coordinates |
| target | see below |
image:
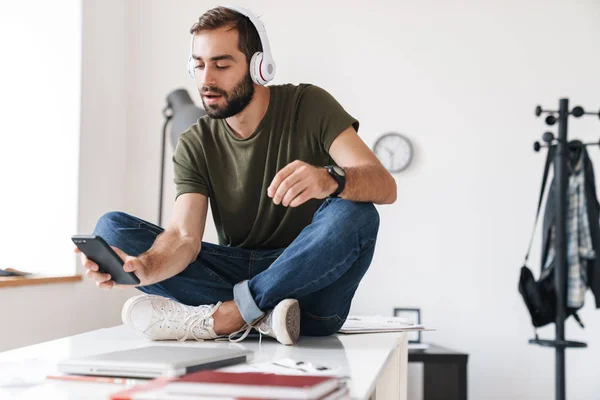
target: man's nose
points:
(207, 78)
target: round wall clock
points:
(394, 151)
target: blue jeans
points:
(321, 268)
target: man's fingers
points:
(88, 264)
(301, 198)
(129, 266)
(281, 176)
(103, 280)
(106, 285)
(285, 186)
(98, 276)
(132, 264)
(293, 192)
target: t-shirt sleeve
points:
(321, 114)
(189, 169)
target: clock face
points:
(394, 151)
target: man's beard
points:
(235, 100)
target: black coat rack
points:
(560, 277)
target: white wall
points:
(461, 78)
(28, 154)
(32, 314)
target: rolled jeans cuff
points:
(245, 303)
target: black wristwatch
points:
(339, 175)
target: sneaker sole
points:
(288, 313)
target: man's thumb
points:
(128, 266)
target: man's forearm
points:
(369, 183)
(170, 254)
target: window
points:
(40, 81)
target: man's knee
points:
(111, 221)
(368, 216)
(111, 225)
(358, 215)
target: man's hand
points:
(299, 182)
(130, 264)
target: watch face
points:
(339, 170)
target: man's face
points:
(222, 73)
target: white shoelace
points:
(197, 319)
(247, 328)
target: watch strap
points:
(341, 181)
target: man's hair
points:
(248, 42)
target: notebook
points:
(253, 385)
(154, 361)
(156, 390)
(368, 324)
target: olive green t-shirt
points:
(301, 122)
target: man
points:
(296, 231)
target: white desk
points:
(375, 363)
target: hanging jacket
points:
(583, 228)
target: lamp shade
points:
(184, 113)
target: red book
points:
(156, 390)
(141, 391)
(253, 385)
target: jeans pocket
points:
(314, 325)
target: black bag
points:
(540, 296)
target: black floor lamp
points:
(182, 112)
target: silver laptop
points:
(154, 361)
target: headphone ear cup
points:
(255, 63)
(191, 67)
(267, 70)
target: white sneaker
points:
(282, 322)
(160, 318)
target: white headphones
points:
(262, 66)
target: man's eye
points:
(222, 66)
(199, 66)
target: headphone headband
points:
(260, 28)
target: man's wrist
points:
(338, 174)
(331, 183)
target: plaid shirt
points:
(579, 241)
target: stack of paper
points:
(367, 324)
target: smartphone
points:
(97, 250)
